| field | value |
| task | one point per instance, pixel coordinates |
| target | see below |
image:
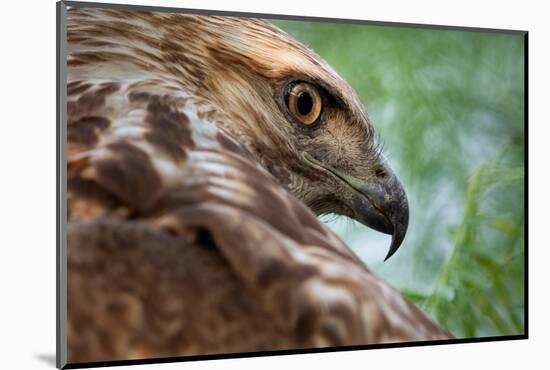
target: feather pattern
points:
(185, 237)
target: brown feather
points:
(185, 235)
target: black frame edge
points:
(289, 352)
(57, 190)
(61, 260)
(526, 184)
(86, 4)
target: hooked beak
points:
(379, 203)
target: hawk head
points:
(290, 110)
(299, 118)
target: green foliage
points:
(480, 289)
(448, 107)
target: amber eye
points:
(305, 103)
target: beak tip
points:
(395, 244)
(399, 232)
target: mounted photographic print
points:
(235, 185)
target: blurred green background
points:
(449, 110)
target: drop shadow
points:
(47, 358)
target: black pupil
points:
(304, 103)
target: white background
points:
(27, 178)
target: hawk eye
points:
(304, 102)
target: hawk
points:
(199, 151)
